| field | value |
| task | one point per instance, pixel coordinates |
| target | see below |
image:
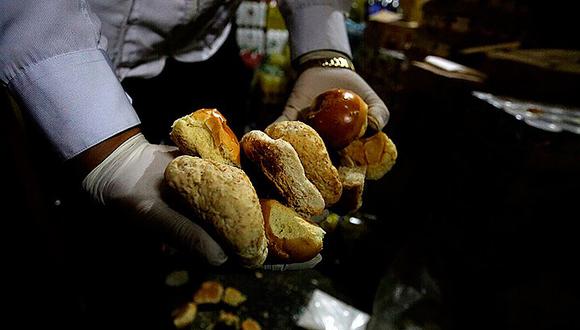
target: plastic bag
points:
(325, 312)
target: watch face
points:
(337, 62)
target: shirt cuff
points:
(317, 27)
(76, 100)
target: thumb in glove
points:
(131, 179)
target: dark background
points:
(478, 215)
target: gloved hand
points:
(295, 266)
(131, 178)
(315, 80)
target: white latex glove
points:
(316, 80)
(131, 179)
(295, 266)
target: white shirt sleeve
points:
(52, 60)
(316, 25)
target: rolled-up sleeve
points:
(52, 60)
(316, 25)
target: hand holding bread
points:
(299, 163)
(222, 196)
(341, 117)
(317, 80)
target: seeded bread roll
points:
(377, 152)
(282, 167)
(205, 133)
(223, 197)
(290, 237)
(313, 155)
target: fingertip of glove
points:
(290, 112)
(374, 124)
(294, 266)
(281, 118)
(378, 119)
(314, 261)
(217, 259)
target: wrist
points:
(86, 161)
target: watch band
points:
(332, 61)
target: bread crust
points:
(377, 152)
(313, 154)
(300, 248)
(205, 133)
(353, 182)
(223, 197)
(282, 167)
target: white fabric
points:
(92, 107)
(51, 54)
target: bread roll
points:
(205, 133)
(313, 155)
(184, 315)
(223, 197)
(251, 324)
(377, 152)
(290, 237)
(233, 297)
(280, 164)
(210, 292)
(353, 182)
(227, 320)
(339, 115)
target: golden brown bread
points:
(228, 320)
(251, 324)
(233, 297)
(282, 167)
(290, 237)
(313, 155)
(184, 316)
(223, 197)
(377, 152)
(210, 292)
(205, 133)
(339, 115)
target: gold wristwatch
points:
(325, 60)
